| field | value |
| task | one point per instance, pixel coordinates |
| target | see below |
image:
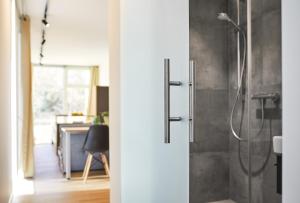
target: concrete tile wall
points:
(218, 162)
(208, 43)
(209, 157)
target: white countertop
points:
(75, 130)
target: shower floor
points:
(224, 201)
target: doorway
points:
(69, 64)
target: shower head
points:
(225, 17)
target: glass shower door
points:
(265, 102)
(237, 166)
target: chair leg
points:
(105, 164)
(87, 167)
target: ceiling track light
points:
(45, 22)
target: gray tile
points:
(238, 178)
(223, 201)
(209, 177)
(272, 48)
(211, 128)
(208, 50)
(264, 180)
(207, 9)
(257, 9)
(269, 182)
(269, 5)
(208, 44)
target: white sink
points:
(277, 144)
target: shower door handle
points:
(192, 91)
(167, 84)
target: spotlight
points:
(45, 22)
(43, 42)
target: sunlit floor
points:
(49, 183)
(43, 132)
(99, 196)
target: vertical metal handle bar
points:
(192, 88)
(167, 100)
(167, 85)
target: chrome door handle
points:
(192, 93)
(167, 84)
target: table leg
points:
(68, 156)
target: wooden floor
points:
(100, 196)
(49, 185)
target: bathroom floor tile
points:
(224, 201)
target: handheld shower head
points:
(225, 17)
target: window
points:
(77, 90)
(57, 90)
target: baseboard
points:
(11, 198)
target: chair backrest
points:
(97, 139)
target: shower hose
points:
(238, 94)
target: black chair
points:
(96, 143)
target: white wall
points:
(104, 69)
(291, 100)
(114, 100)
(15, 49)
(5, 138)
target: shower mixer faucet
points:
(274, 96)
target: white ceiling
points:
(77, 34)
